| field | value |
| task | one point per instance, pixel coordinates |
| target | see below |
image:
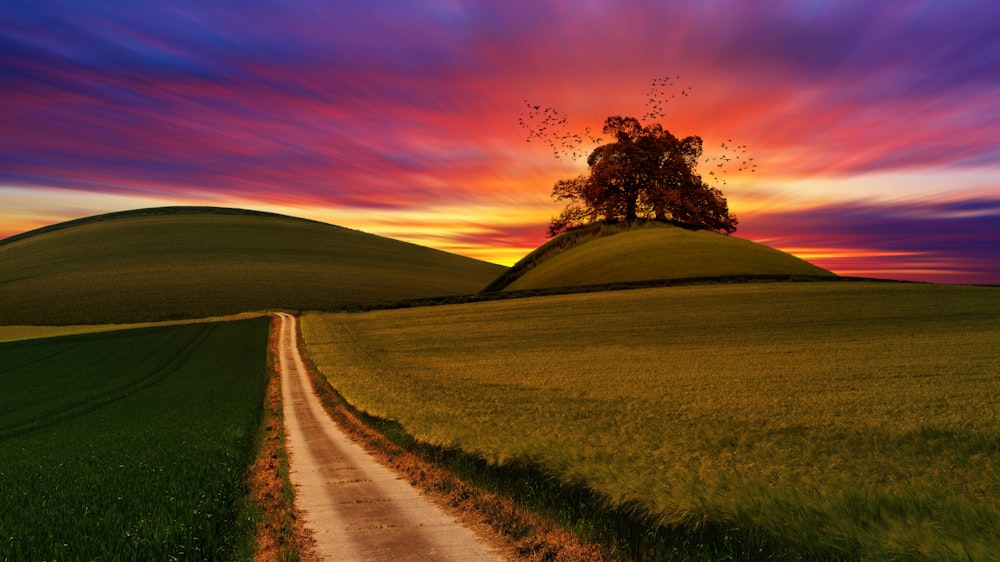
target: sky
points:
(875, 125)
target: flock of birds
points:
(550, 127)
(658, 97)
(733, 159)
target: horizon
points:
(874, 128)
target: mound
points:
(187, 262)
(605, 255)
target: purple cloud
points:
(956, 241)
(410, 104)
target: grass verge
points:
(278, 535)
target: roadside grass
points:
(278, 537)
(178, 262)
(775, 421)
(131, 445)
(631, 253)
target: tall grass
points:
(129, 445)
(812, 421)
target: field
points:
(609, 254)
(130, 445)
(178, 263)
(841, 420)
(16, 333)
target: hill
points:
(186, 262)
(647, 252)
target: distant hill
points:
(646, 252)
(185, 262)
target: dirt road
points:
(356, 508)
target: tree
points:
(645, 173)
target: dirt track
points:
(355, 508)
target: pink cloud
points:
(415, 106)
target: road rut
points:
(356, 508)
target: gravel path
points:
(355, 508)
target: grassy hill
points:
(185, 262)
(609, 254)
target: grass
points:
(179, 262)
(789, 421)
(450, 477)
(17, 333)
(609, 254)
(271, 497)
(131, 445)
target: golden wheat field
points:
(830, 419)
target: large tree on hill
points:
(644, 173)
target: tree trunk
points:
(632, 203)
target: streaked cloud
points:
(950, 241)
(388, 113)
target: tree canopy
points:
(644, 173)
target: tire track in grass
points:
(10, 364)
(75, 410)
(356, 508)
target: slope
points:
(185, 262)
(604, 255)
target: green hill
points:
(648, 252)
(186, 262)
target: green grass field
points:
(130, 445)
(793, 420)
(175, 263)
(609, 254)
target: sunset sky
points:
(875, 125)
